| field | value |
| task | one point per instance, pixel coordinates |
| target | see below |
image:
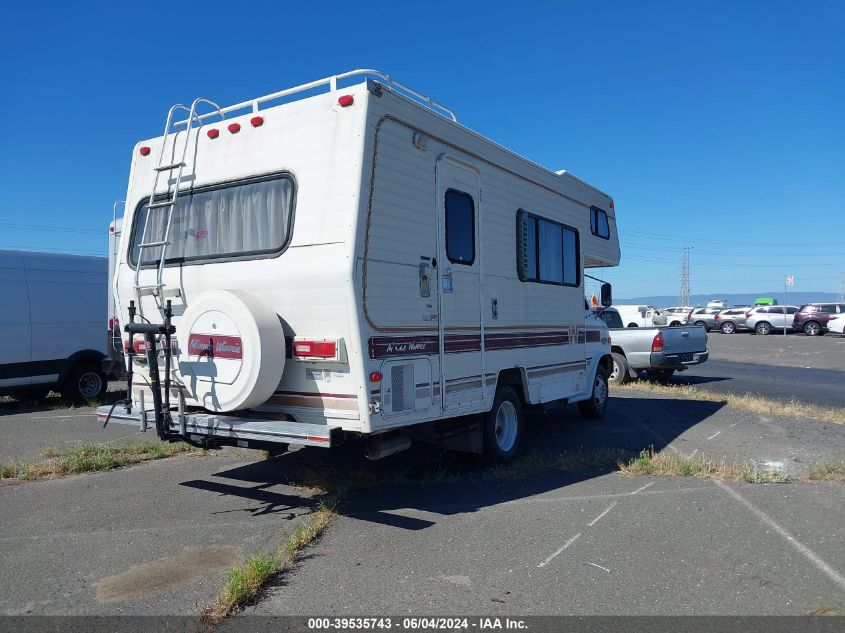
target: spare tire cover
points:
(231, 350)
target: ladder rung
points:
(169, 167)
(158, 205)
(153, 244)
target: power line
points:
(61, 229)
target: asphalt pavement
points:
(158, 538)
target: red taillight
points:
(345, 101)
(234, 128)
(376, 376)
(657, 343)
(315, 349)
(717, 317)
(145, 151)
(114, 322)
(747, 315)
(256, 121)
(213, 133)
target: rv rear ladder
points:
(166, 205)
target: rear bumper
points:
(233, 430)
(660, 360)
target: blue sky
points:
(714, 124)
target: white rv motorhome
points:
(354, 262)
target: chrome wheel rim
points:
(599, 392)
(812, 329)
(728, 328)
(90, 384)
(614, 373)
(506, 426)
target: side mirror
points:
(606, 295)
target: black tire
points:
(85, 383)
(660, 375)
(594, 408)
(728, 327)
(675, 324)
(633, 325)
(812, 328)
(763, 329)
(701, 324)
(502, 435)
(620, 373)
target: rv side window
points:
(241, 219)
(547, 251)
(460, 227)
(598, 223)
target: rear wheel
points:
(728, 327)
(85, 383)
(619, 373)
(811, 328)
(763, 329)
(595, 407)
(701, 324)
(503, 426)
(633, 325)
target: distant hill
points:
(794, 298)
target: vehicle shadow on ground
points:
(559, 449)
(52, 402)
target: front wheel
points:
(595, 407)
(503, 426)
(763, 329)
(85, 383)
(701, 324)
(728, 327)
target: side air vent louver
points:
(402, 387)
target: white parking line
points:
(714, 435)
(565, 545)
(648, 485)
(600, 567)
(693, 453)
(809, 554)
(609, 508)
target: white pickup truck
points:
(659, 351)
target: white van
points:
(354, 262)
(51, 324)
(640, 315)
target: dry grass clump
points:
(85, 458)
(750, 402)
(672, 463)
(827, 471)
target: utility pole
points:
(842, 287)
(685, 294)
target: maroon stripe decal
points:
(315, 394)
(390, 346)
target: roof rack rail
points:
(331, 82)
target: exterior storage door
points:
(459, 276)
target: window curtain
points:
(229, 221)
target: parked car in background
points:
(731, 320)
(812, 318)
(659, 351)
(634, 315)
(836, 323)
(677, 315)
(703, 317)
(51, 325)
(763, 319)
